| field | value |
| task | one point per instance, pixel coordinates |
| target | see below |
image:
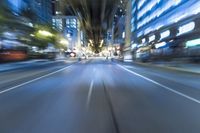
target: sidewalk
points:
(174, 65)
(30, 63)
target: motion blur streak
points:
(57, 102)
(99, 66)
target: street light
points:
(64, 42)
(32, 35)
(101, 44)
(45, 33)
(91, 41)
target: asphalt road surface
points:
(99, 96)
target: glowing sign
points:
(192, 43)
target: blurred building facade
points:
(41, 9)
(158, 19)
(119, 32)
(157, 24)
(128, 17)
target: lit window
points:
(193, 9)
(152, 38)
(132, 20)
(133, 46)
(132, 28)
(148, 7)
(133, 2)
(177, 2)
(123, 35)
(164, 34)
(67, 21)
(133, 11)
(143, 40)
(186, 28)
(159, 45)
(140, 4)
(140, 34)
(148, 30)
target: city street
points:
(99, 96)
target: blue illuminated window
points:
(140, 3)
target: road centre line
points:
(33, 80)
(161, 85)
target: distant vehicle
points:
(72, 54)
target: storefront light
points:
(193, 43)
(159, 45)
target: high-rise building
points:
(41, 8)
(154, 21)
(58, 23)
(119, 36)
(71, 31)
(119, 23)
(128, 24)
(70, 27)
(127, 47)
(56, 7)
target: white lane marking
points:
(36, 79)
(129, 67)
(161, 85)
(90, 93)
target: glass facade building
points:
(16, 5)
(71, 31)
(151, 16)
(41, 8)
